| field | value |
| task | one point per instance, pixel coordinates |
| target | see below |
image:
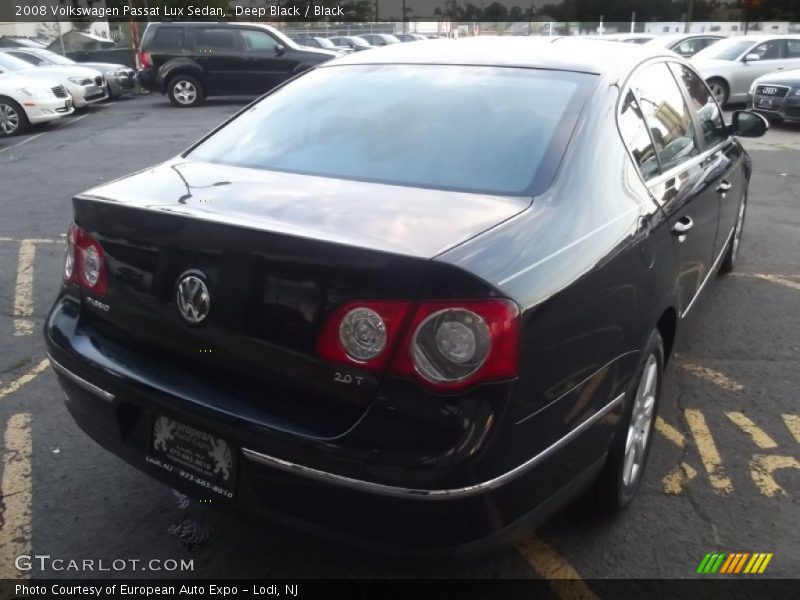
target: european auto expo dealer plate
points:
(194, 455)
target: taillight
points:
(144, 59)
(445, 345)
(452, 345)
(84, 264)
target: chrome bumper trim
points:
(422, 494)
(80, 381)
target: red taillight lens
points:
(452, 345)
(85, 263)
(362, 334)
(446, 345)
(144, 59)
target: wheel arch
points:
(176, 67)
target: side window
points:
(636, 138)
(712, 127)
(216, 39)
(792, 48)
(168, 38)
(28, 58)
(260, 41)
(770, 50)
(666, 114)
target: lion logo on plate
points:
(193, 299)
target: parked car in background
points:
(776, 95)
(190, 61)
(732, 65)
(119, 78)
(410, 37)
(352, 42)
(27, 101)
(86, 86)
(628, 38)
(10, 41)
(315, 41)
(379, 39)
(685, 44)
(414, 347)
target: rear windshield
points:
(481, 129)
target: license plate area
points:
(195, 455)
(766, 102)
(68, 103)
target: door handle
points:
(682, 227)
(724, 186)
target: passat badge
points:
(193, 299)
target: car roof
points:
(559, 53)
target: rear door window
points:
(666, 114)
(712, 127)
(216, 38)
(168, 38)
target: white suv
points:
(25, 101)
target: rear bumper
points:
(147, 79)
(278, 479)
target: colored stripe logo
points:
(734, 563)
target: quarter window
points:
(636, 138)
(666, 114)
(712, 127)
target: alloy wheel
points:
(9, 119)
(641, 423)
(185, 92)
(719, 91)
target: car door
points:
(722, 155)
(267, 60)
(218, 52)
(772, 57)
(793, 53)
(680, 186)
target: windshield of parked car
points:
(54, 58)
(724, 50)
(12, 63)
(482, 129)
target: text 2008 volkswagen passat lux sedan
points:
(424, 344)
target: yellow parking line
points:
(23, 292)
(772, 279)
(669, 432)
(564, 580)
(711, 375)
(758, 435)
(676, 480)
(762, 469)
(15, 528)
(24, 379)
(793, 425)
(33, 240)
(708, 451)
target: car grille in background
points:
(98, 80)
(59, 91)
(776, 91)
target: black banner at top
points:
(349, 11)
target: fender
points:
(179, 65)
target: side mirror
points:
(280, 49)
(752, 57)
(746, 123)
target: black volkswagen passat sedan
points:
(428, 344)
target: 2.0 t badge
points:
(192, 297)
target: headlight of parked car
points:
(797, 92)
(35, 92)
(80, 80)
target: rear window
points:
(481, 129)
(216, 39)
(168, 38)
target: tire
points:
(13, 119)
(623, 472)
(185, 91)
(719, 87)
(729, 262)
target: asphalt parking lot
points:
(724, 471)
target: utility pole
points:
(688, 16)
(633, 21)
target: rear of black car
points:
(263, 320)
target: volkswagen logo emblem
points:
(192, 297)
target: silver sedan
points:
(731, 65)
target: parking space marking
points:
(669, 432)
(33, 240)
(709, 455)
(758, 435)
(711, 375)
(564, 580)
(772, 279)
(15, 528)
(24, 379)
(763, 467)
(676, 480)
(23, 292)
(22, 143)
(793, 425)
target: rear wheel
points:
(729, 262)
(185, 91)
(719, 87)
(624, 468)
(13, 119)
